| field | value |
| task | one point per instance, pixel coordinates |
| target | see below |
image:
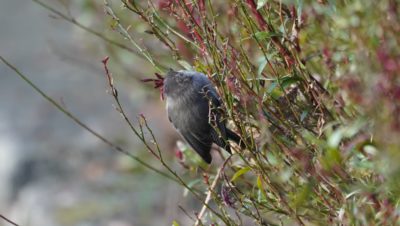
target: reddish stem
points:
(265, 26)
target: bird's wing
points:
(218, 131)
(193, 127)
(200, 144)
(211, 94)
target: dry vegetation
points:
(314, 88)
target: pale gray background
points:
(52, 171)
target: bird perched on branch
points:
(194, 108)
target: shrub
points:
(312, 86)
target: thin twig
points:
(210, 191)
(8, 220)
(126, 34)
(83, 125)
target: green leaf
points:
(272, 159)
(263, 61)
(185, 65)
(344, 132)
(174, 223)
(261, 187)
(331, 158)
(302, 195)
(190, 185)
(273, 92)
(240, 173)
(272, 87)
(261, 3)
(262, 66)
(262, 35)
(299, 9)
(288, 80)
(303, 115)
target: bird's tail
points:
(235, 138)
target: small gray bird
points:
(194, 108)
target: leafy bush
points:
(312, 86)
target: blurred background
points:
(52, 171)
(332, 156)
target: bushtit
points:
(194, 108)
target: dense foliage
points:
(312, 86)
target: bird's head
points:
(175, 83)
